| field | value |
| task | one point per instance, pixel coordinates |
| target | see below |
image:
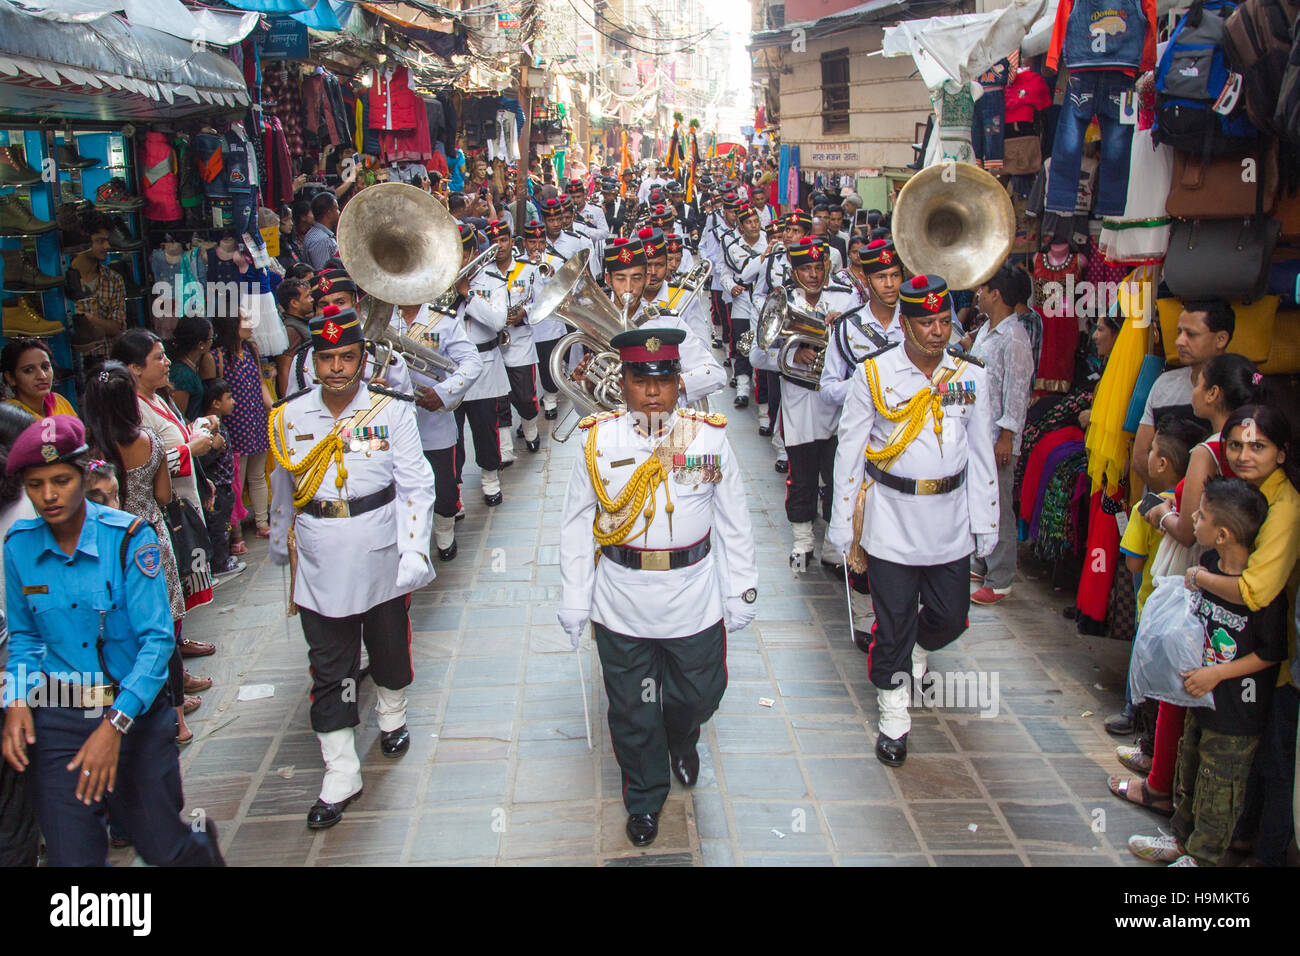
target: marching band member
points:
(915, 454)
(559, 242)
(334, 287)
(613, 206)
(481, 301)
(878, 323)
(767, 384)
(547, 331)
(351, 499)
(701, 373)
(441, 331)
(743, 259)
(518, 276)
(656, 490)
(661, 217)
(582, 232)
(807, 422)
(662, 292)
(588, 213)
(716, 228)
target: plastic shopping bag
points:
(1170, 641)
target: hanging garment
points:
(161, 182)
(393, 103)
(279, 168)
(1141, 235)
(955, 105)
(411, 145)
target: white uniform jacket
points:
(837, 370)
(444, 334)
(804, 416)
(697, 314)
(348, 565)
(484, 311)
(907, 528)
(658, 604)
(744, 266)
(594, 216)
(520, 285)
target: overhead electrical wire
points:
(631, 46)
(601, 15)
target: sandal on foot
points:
(197, 648)
(238, 547)
(1132, 758)
(191, 704)
(1159, 802)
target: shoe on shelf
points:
(20, 319)
(14, 170)
(114, 197)
(17, 219)
(988, 596)
(120, 238)
(68, 157)
(22, 276)
(68, 197)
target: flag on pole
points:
(624, 163)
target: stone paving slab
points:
(499, 772)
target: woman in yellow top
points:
(28, 370)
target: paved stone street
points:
(499, 771)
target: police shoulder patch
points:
(148, 558)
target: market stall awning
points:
(104, 69)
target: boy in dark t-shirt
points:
(1240, 657)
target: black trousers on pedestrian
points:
(741, 364)
(482, 416)
(446, 487)
(146, 801)
(217, 519)
(522, 396)
(809, 462)
(334, 652)
(660, 692)
(942, 590)
(544, 350)
(19, 837)
(1267, 821)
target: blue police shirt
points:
(54, 603)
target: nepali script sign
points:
(832, 154)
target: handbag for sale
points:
(1021, 155)
(1224, 187)
(1223, 258)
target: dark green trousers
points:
(1209, 789)
(660, 692)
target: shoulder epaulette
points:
(290, 398)
(391, 393)
(959, 353)
(832, 287)
(716, 419)
(879, 352)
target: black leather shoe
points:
(519, 432)
(891, 752)
(742, 401)
(686, 767)
(642, 828)
(716, 343)
(493, 500)
(551, 414)
(446, 554)
(533, 445)
(394, 743)
(507, 464)
(862, 641)
(782, 466)
(731, 382)
(1121, 724)
(324, 815)
(765, 431)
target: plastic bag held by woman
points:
(1170, 642)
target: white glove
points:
(574, 622)
(839, 539)
(738, 615)
(985, 543)
(411, 569)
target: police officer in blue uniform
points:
(90, 640)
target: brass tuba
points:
(782, 319)
(956, 221)
(573, 295)
(399, 263)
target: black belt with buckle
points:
(645, 559)
(350, 507)
(491, 344)
(917, 486)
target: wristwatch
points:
(750, 596)
(120, 721)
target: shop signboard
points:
(286, 41)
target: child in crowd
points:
(1167, 462)
(219, 466)
(101, 484)
(1242, 652)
